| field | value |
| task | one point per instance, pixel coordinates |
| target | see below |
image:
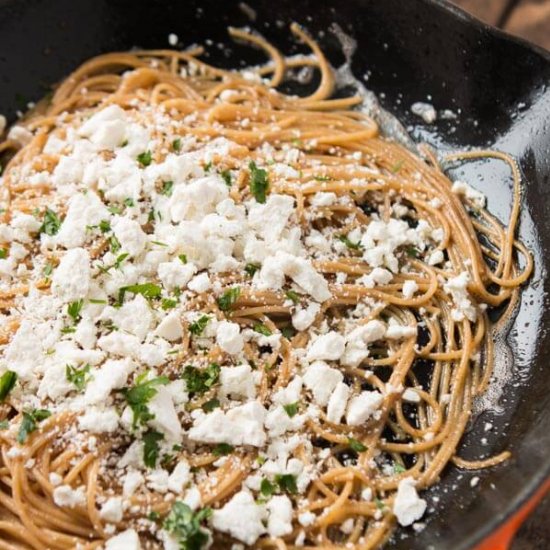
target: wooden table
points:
(529, 19)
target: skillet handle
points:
(502, 538)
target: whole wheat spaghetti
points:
(232, 315)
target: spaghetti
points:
(234, 315)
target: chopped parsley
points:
(78, 377)
(47, 271)
(104, 226)
(168, 303)
(114, 209)
(199, 381)
(412, 251)
(182, 258)
(262, 329)
(145, 158)
(139, 395)
(199, 325)
(74, 309)
(151, 447)
(7, 382)
(259, 183)
(211, 404)
(29, 423)
(208, 166)
(293, 296)
(147, 290)
(129, 202)
(267, 488)
(228, 298)
(3, 253)
(322, 178)
(251, 268)
(51, 223)
(287, 483)
(185, 526)
(351, 245)
(291, 409)
(379, 504)
(114, 244)
(398, 468)
(356, 445)
(223, 449)
(176, 144)
(226, 176)
(4, 424)
(167, 188)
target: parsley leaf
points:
(51, 223)
(267, 488)
(199, 325)
(356, 445)
(251, 268)
(211, 404)
(4, 424)
(322, 178)
(47, 271)
(259, 183)
(287, 483)
(147, 290)
(412, 251)
(199, 381)
(379, 504)
(176, 144)
(129, 202)
(262, 329)
(29, 423)
(291, 295)
(291, 409)
(226, 176)
(7, 382)
(145, 158)
(228, 298)
(78, 377)
(168, 303)
(167, 188)
(185, 525)
(151, 447)
(182, 258)
(74, 309)
(114, 244)
(398, 468)
(396, 167)
(140, 394)
(223, 449)
(350, 244)
(3, 253)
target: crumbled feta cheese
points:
(462, 188)
(328, 347)
(180, 476)
(71, 279)
(229, 337)
(337, 403)
(127, 540)
(237, 382)
(279, 521)
(66, 496)
(425, 111)
(170, 328)
(303, 318)
(322, 380)
(96, 420)
(457, 287)
(362, 407)
(112, 510)
(408, 507)
(200, 283)
(409, 288)
(241, 517)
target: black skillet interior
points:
(411, 51)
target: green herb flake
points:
(147, 290)
(94, 301)
(74, 309)
(226, 176)
(145, 158)
(51, 223)
(151, 448)
(139, 395)
(267, 488)
(78, 377)
(211, 404)
(379, 504)
(114, 244)
(412, 251)
(351, 245)
(262, 329)
(104, 226)
(293, 296)
(167, 188)
(129, 202)
(291, 409)
(4, 424)
(228, 298)
(287, 483)
(288, 332)
(3, 253)
(322, 178)
(223, 449)
(186, 526)
(115, 210)
(199, 381)
(176, 145)
(31, 419)
(7, 383)
(259, 182)
(398, 468)
(153, 516)
(182, 258)
(251, 268)
(47, 271)
(168, 303)
(198, 326)
(356, 445)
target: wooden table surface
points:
(529, 19)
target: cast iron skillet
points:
(411, 50)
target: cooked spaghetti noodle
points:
(232, 314)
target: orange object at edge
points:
(503, 536)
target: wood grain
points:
(489, 11)
(531, 20)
